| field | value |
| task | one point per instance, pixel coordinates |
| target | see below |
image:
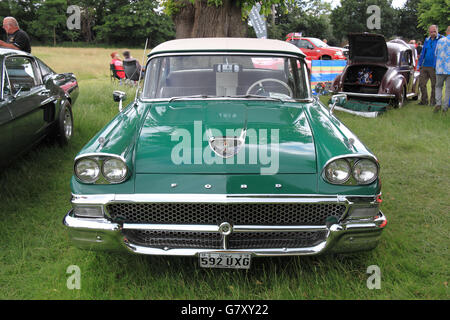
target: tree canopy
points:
(113, 22)
(434, 12)
(130, 22)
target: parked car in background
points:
(276, 63)
(315, 49)
(378, 70)
(35, 102)
(225, 158)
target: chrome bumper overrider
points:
(346, 235)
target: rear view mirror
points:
(338, 100)
(119, 96)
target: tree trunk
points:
(199, 20)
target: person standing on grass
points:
(443, 72)
(427, 63)
(16, 38)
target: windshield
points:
(225, 75)
(318, 43)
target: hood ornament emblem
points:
(227, 147)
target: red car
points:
(315, 49)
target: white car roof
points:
(227, 44)
(8, 51)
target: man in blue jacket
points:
(427, 64)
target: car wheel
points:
(64, 130)
(325, 58)
(399, 102)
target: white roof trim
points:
(227, 44)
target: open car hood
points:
(367, 47)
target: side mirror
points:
(338, 100)
(311, 47)
(119, 96)
(48, 77)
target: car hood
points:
(367, 47)
(179, 137)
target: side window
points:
(303, 44)
(21, 73)
(297, 78)
(45, 69)
(6, 87)
(406, 58)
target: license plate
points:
(225, 260)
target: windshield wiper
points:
(201, 96)
(257, 96)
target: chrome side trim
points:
(369, 95)
(209, 198)
(99, 154)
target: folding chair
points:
(113, 73)
(131, 71)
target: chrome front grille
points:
(210, 240)
(235, 213)
(174, 239)
(261, 240)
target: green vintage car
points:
(225, 156)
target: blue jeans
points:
(440, 80)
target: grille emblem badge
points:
(225, 228)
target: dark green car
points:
(35, 102)
(225, 156)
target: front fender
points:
(392, 83)
(119, 136)
(398, 83)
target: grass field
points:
(412, 144)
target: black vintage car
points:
(35, 102)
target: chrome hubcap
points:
(67, 124)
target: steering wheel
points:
(260, 82)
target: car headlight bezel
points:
(353, 161)
(102, 177)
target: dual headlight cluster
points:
(340, 171)
(100, 169)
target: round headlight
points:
(365, 171)
(87, 170)
(114, 170)
(338, 171)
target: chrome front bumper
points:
(346, 235)
(369, 95)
